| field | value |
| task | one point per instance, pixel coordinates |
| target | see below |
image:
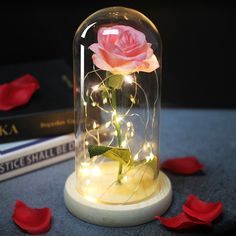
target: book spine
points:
(35, 157)
(36, 125)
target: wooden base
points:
(118, 215)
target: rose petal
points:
(17, 92)
(151, 64)
(33, 221)
(195, 212)
(100, 63)
(184, 165)
(204, 211)
(181, 221)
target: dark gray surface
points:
(208, 134)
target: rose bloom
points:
(123, 50)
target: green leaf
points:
(122, 155)
(119, 154)
(115, 81)
(153, 164)
(97, 150)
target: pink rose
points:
(123, 50)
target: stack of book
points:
(23, 156)
(39, 133)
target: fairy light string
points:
(116, 119)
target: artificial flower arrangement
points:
(120, 55)
(117, 73)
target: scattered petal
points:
(183, 165)
(18, 92)
(204, 211)
(195, 212)
(32, 220)
(181, 221)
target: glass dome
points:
(117, 73)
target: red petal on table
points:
(18, 92)
(204, 211)
(184, 165)
(181, 221)
(33, 221)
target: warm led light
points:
(86, 143)
(132, 99)
(150, 157)
(119, 118)
(128, 79)
(124, 144)
(94, 125)
(107, 124)
(125, 179)
(114, 113)
(94, 104)
(152, 145)
(128, 124)
(85, 104)
(95, 88)
(146, 146)
(104, 100)
(132, 133)
(136, 157)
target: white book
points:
(20, 157)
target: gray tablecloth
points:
(208, 134)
